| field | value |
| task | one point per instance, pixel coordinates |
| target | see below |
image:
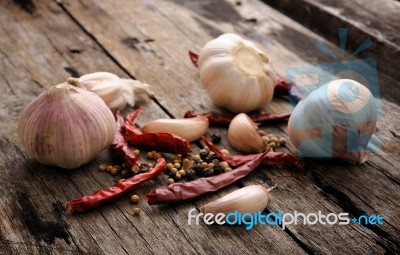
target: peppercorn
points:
(203, 153)
(272, 145)
(182, 172)
(198, 168)
(177, 165)
(210, 165)
(176, 161)
(208, 171)
(274, 139)
(173, 171)
(225, 152)
(123, 165)
(190, 174)
(261, 133)
(224, 164)
(196, 157)
(215, 138)
(135, 198)
(135, 169)
(156, 155)
(143, 167)
(265, 139)
(271, 135)
(136, 211)
(215, 162)
(149, 155)
(218, 169)
(170, 181)
(282, 141)
(124, 172)
(207, 159)
(102, 167)
(204, 164)
(227, 169)
(170, 166)
(109, 168)
(114, 171)
(206, 149)
(178, 176)
(136, 152)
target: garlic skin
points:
(336, 120)
(66, 126)
(236, 73)
(249, 199)
(243, 135)
(191, 129)
(116, 92)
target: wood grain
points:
(379, 20)
(125, 38)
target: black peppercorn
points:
(198, 168)
(190, 174)
(208, 171)
(215, 138)
(143, 167)
(203, 154)
(218, 170)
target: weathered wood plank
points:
(378, 20)
(183, 34)
(111, 229)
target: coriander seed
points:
(136, 211)
(170, 181)
(102, 167)
(178, 176)
(135, 198)
(182, 172)
(282, 141)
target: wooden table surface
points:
(42, 43)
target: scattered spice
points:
(272, 158)
(103, 167)
(166, 142)
(136, 211)
(216, 139)
(99, 197)
(135, 198)
(182, 191)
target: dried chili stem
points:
(100, 197)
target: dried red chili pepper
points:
(99, 197)
(224, 120)
(182, 191)
(272, 158)
(194, 58)
(120, 145)
(165, 142)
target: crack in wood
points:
(72, 71)
(26, 5)
(344, 202)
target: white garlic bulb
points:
(336, 120)
(249, 199)
(236, 73)
(66, 126)
(243, 135)
(116, 92)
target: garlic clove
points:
(189, 128)
(336, 120)
(116, 92)
(236, 73)
(249, 199)
(243, 135)
(66, 126)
